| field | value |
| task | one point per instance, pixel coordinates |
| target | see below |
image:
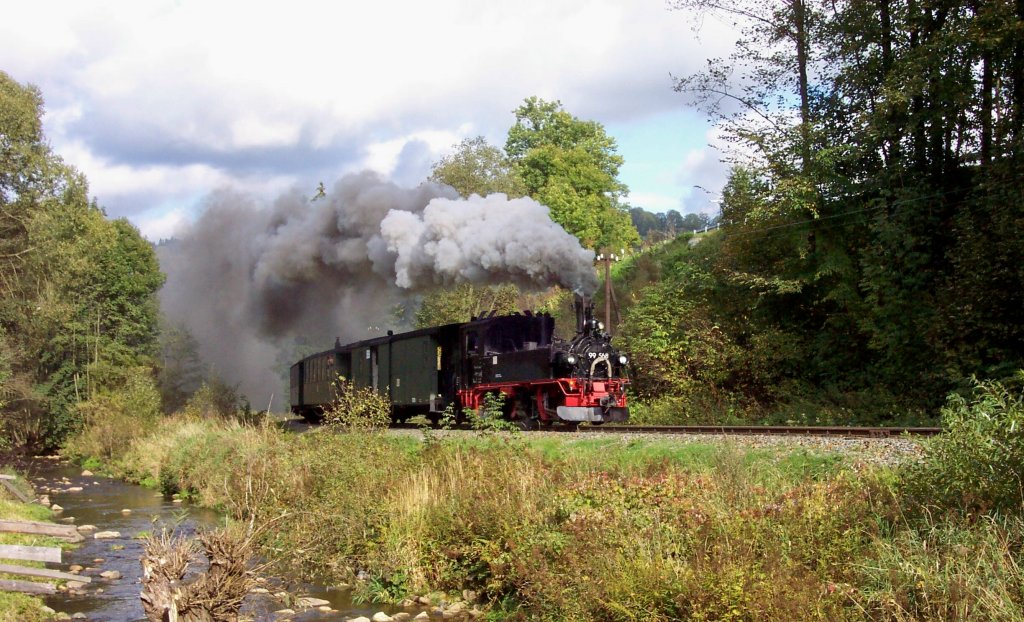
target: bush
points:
(356, 408)
(113, 420)
(977, 465)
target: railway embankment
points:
(565, 526)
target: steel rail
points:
(776, 430)
(738, 430)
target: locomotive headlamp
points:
(622, 359)
(571, 359)
(600, 326)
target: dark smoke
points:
(247, 279)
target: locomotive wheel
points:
(434, 419)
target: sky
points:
(161, 103)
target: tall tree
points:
(77, 291)
(571, 166)
(475, 167)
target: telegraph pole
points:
(608, 257)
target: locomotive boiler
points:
(542, 378)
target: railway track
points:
(775, 430)
(736, 430)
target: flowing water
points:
(100, 503)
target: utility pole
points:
(608, 257)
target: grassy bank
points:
(564, 529)
(16, 607)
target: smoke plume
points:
(249, 279)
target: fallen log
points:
(27, 587)
(68, 532)
(42, 572)
(30, 553)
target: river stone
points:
(87, 473)
(76, 568)
(74, 585)
(308, 602)
(106, 535)
(380, 616)
(260, 590)
(422, 616)
(78, 616)
(126, 511)
(423, 600)
(56, 508)
(401, 616)
(68, 520)
(360, 619)
(284, 612)
(407, 604)
(111, 574)
(63, 615)
(75, 489)
(87, 528)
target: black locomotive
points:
(544, 379)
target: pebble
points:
(126, 511)
(76, 568)
(308, 602)
(75, 489)
(360, 619)
(284, 612)
(423, 600)
(380, 616)
(87, 473)
(87, 528)
(78, 616)
(259, 590)
(111, 574)
(422, 616)
(401, 616)
(56, 508)
(98, 560)
(74, 585)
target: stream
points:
(101, 502)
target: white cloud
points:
(161, 101)
(159, 225)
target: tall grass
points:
(593, 530)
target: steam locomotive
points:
(542, 378)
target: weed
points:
(977, 465)
(357, 408)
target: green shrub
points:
(977, 465)
(112, 420)
(357, 408)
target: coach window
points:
(471, 343)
